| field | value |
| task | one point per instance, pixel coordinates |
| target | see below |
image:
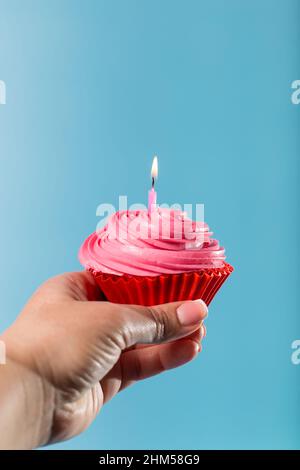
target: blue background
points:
(94, 89)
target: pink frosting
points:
(139, 243)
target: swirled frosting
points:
(149, 244)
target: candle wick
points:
(153, 182)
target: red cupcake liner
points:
(154, 290)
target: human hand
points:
(70, 353)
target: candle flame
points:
(154, 169)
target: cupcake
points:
(150, 258)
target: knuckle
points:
(123, 329)
(163, 326)
(116, 333)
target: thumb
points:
(134, 324)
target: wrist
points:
(27, 403)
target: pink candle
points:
(151, 199)
(152, 193)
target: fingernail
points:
(192, 313)
(204, 305)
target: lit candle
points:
(152, 193)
